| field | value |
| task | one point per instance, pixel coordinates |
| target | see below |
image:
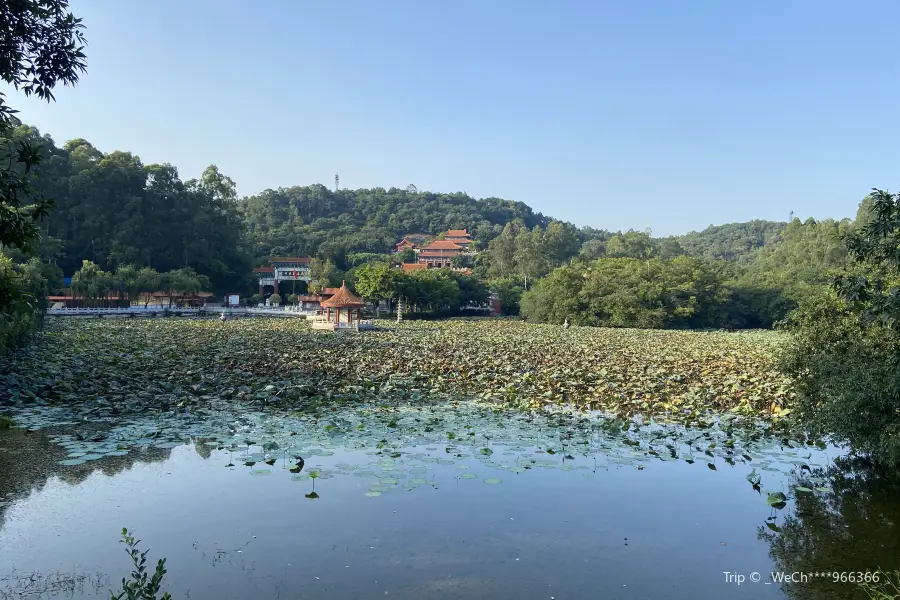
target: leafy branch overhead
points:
(43, 45)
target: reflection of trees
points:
(855, 528)
(202, 450)
(29, 460)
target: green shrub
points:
(22, 301)
(142, 585)
(847, 378)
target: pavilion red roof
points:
(344, 298)
(457, 233)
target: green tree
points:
(43, 46)
(127, 278)
(631, 244)
(429, 290)
(560, 243)
(183, 283)
(377, 282)
(502, 251)
(323, 274)
(22, 296)
(845, 354)
(147, 282)
(627, 292)
(509, 291)
(407, 255)
(92, 283)
(472, 291)
(530, 257)
(592, 250)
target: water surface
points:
(447, 502)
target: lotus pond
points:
(430, 460)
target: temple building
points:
(439, 253)
(460, 237)
(280, 269)
(404, 244)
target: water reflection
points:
(853, 529)
(29, 459)
(583, 509)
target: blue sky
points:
(630, 114)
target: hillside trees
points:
(42, 47)
(737, 242)
(315, 221)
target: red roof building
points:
(460, 237)
(413, 267)
(439, 253)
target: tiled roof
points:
(289, 259)
(442, 245)
(457, 233)
(344, 298)
(414, 266)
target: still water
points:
(504, 508)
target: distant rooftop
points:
(442, 245)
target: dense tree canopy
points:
(628, 292)
(737, 242)
(314, 220)
(846, 351)
(41, 46)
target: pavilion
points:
(342, 299)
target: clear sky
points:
(668, 114)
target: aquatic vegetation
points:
(161, 365)
(485, 397)
(6, 422)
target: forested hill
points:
(114, 210)
(313, 220)
(737, 242)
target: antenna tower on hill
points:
(337, 182)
